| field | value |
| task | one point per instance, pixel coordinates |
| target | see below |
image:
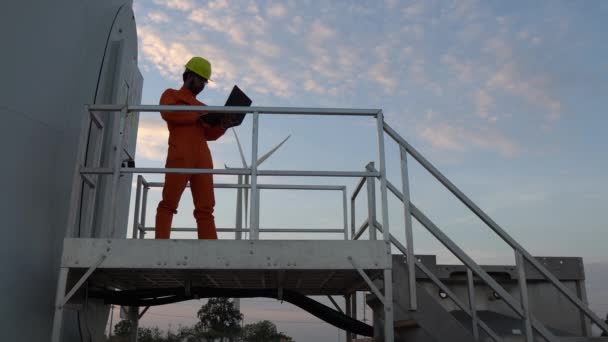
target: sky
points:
(507, 99)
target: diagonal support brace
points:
(331, 299)
(369, 282)
(82, 280)
(141, 314)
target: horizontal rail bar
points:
(361, 230)
(358, 188)
(301, 187)
(290, 173)
(495, 227)
(318, 173)
(107, 170)
(215, 185)
(265, 186)
(262, 230)
(237, 109)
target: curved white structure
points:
(57, 56)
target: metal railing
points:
(141, 200)
(368, 178)
(521, 308)
(115, 171)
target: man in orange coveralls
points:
(188, 137)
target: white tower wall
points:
(50, 67)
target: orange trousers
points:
(201, 187)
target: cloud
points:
(217, 23)
(182, 5)
(320, 32)
(464, 70)
(484, 102)
(530, 87)
(158, 17)
(168, 56)
(499, 48)
(267, 49)
(448, 136)
(418, 74)
(276, 10)
(414, 10)
(271, 82)
(152, 137)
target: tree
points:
(122, 328)
(263, 331)
(219, 319)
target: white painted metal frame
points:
(518, 249)
(139, 224)
(139, 204)
(220, 254)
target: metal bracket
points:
(141, 314)
(88, 180)
(369, 282)
(82, 280)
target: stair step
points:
(405, 324)
(584, 339)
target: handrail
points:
(237, 109)
(441, 285)
(143, 184)
(472, 265)
(493, 225)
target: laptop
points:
(226, 120)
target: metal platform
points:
(310, 267)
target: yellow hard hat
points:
(200, 66)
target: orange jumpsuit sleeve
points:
(213, 133)
(170, 97)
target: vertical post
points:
(344, 210)
(371, 203)
(388, 305)
(134, 318)
(254, 214)
(347, 310)
(77, 179)
(409, 237)
(239, 210)
(582, 295)
(137, 205)
(238, 235)
(471, 286)
(117, 149)
(142, 220)
(388, 273)
(353, 311)
(86, 223)
(523, 290)
(383, 181)
(352, 219)
(58, 317)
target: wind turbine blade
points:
(238, 142)
(269, 153)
